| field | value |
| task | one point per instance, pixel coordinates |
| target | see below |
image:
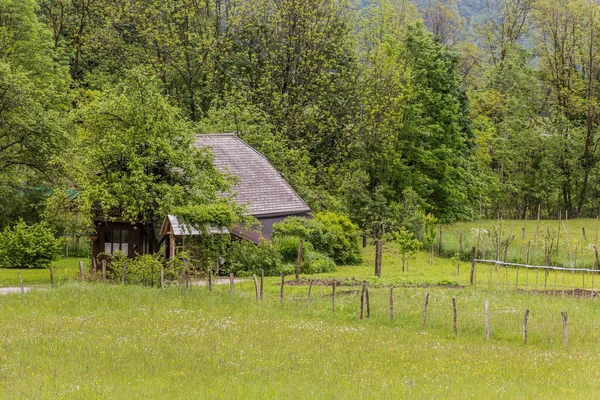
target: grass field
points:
(576, 240)
(107, 340)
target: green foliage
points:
(203, 216)
(316, 263)
(287, 246)
(28, 246)
(341, 237)
(406, 244)
(331, 234)
(143, 269)
(245, 258)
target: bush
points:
(342, 238)
(315, 263)
(245, 258)
(287, 246)
(28, 246)
(331, 234)
(304, 228)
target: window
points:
(115, 240)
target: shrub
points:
(342, 238)
(315, 263)
(331, 234)
(287, 246)
(245, 258)
(304, 228)
(28, 246)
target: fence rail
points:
(544, 267)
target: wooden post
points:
(262, 283)
(487, 320)
(583, 232)
(21, 282)
(565, 330)
(309, 290)
(392, 302)
(103, 270)
(231, 283)
(162, 276)
(455, 316)
(367, 300)
(333, 297)
(525, 326)
(425, 311)
(94, 265)
(439, 252)
(51, 277)
(187, 273)
(255, 286)
(378, 257)
(473, 257)
(281, 288)
(210, 282)
(363, 299)
(299, 260)
(123, 273)
(596, 254)
(460, 250)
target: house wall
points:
(131, 237)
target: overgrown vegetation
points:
(28, 246)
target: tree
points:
(136, 156)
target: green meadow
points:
(96, 340)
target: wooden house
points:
(265, 192)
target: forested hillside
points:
(461, 110)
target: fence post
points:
(460, 250)
(333, 297)
(525, 326)
(473, 257)
(255, 286)
(281, 289)
(210, 280)
(362, 299)
(262, 283)
(425, 311)
(231, 283)
(94, 265)
(299, 260)
(596, 254)
(51, 277)
(368, 303)
(162, 276)
(455, 316)
(310, 283)
(392, 302)
(440, 243)
(565, 329)
(378, 257)
(21, 282)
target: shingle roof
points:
(182, 229)
(260, 186)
